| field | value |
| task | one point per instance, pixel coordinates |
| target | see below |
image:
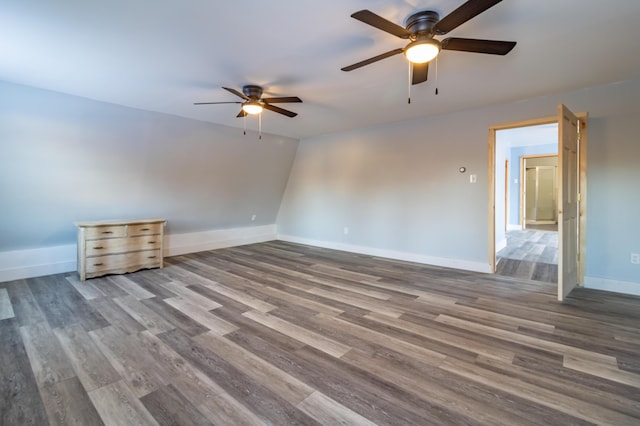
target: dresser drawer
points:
(122, 245)
(124, 262)
(105, 232)
(144, 229)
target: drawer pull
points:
(151, 257)
(145, 229)
(151, 242)
(98, 264)
(107, 232)
(98, 248)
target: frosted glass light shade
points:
(252, 108)
(421, 51)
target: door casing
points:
(582, 186)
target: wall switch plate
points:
(473, 178)
(253, 217)
(346, 230)
(635, 258)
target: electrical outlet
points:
(253, 217)
(346, 230)
(635, 258)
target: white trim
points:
(392, 254)
(177, 244)
(501, 244)
(626, 287)
(514, 227)
(19, 264)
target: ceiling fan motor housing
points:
(422, 24)
(252, 91)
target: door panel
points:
(568, 128)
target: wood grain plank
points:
(145, 316)
(115, 315)
(25, 306)
(202, 316)
(89, 363)
(288, 387)
(85, 288)
(185, 293)
(329, 412)
(67, 403)
(118, 406)
(6, 309)
(48, 361)
(267, 405)
(131, 287)
(310, 338)
(20, 401)
(555, 400)
(169, 407)
(132, 364)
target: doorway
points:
(539, 191)
(527, 244)
(576, 179)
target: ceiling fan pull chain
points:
(436, 76)
(409, 83)
(260, 126)
(244, 125)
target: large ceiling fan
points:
(254, 103)
(421, 29)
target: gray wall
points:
(65, 158)
(397, 186)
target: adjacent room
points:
(278, 213)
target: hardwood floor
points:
(530, 254)
(280, 333)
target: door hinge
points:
(578, 196)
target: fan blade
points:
(283, 99)
(380, 23)
(462, 14)
(279, 110)
(420, 73)
(492, 47)
(215, 103)
(372, 60)
(241, 114)
(235, 92)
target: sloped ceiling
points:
(163, 55)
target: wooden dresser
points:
(119, 246)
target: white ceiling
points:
(163, 55)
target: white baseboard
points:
(19, 264)
(514, 227)
(392, 254)
(626, 287)
(177, 244)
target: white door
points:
(568, 128)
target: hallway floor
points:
(530, 254)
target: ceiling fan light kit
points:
(422, 51)
(252, 107)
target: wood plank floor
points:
(280, 333)
(530, 254)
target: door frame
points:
(582, 188)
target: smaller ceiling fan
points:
(421, 29)
(254, 104)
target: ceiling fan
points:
(421, 29)
(254, 103)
